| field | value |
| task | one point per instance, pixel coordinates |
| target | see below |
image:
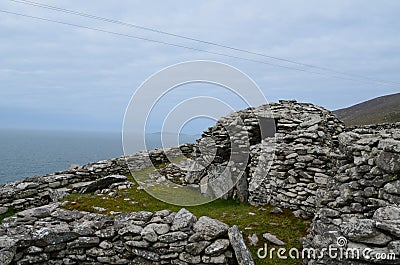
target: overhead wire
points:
(349, 76)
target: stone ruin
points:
(346, 179)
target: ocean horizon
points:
(27, 153)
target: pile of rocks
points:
(52, 235)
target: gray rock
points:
(108, 232)
(273, 239)
(131, 229)
(276, 210)
(196, 248)
(358, 229)
(221, 259)
(389, 162)
(7, 242)
(190, 258)
(149, 255)
(394, 247)
(84, 242)
(391, 226)
(48, 236)
(57, 194)
(103, 183)
(138, 244)
(393, 187)
(149, 234)
(6, 257)
(172, 237)
(387, 213)
(253, 239)
(160, 229)
(210, 227)
(218, 247)
(3, 210)
(183, 220)
(242, 253)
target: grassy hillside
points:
(385, 109)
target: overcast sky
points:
(59, 77)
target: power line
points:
(182, 46)
(58, 9)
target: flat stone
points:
(387, 213)
(391, 226)
(196, 248)
(172, 237)
(273, 239)
(221, 259)
(47, 236)
(149, 255)
(218, 247)
(190, 258)
(103, 183)
(393, 187)
(242, 253)
(3, 210)
(210, 227)
(131, 229)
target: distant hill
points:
(383, 109)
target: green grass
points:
(10, 212)
(285, 226)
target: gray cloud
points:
(90, 76)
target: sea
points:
(28, 153)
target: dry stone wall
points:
(52, 235)
(361, 201)
(41, 190)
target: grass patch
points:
(11, 212)
(250, 219)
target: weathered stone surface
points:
(273, 239)
(48, 236)
(6, 257)
(3, 210)
(190, 258)
(393, 187)
(243, 255)
(218, 247)
(146, 254)
(183, 220)
(210, 227)
(196, 248)
(103, 183)
(173, 237)
(387, 213)
(391, 226)
(149, 234)
(389, 162)
(253, 239)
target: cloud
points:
(84, 74)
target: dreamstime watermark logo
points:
(149, 101)
(338, 251)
